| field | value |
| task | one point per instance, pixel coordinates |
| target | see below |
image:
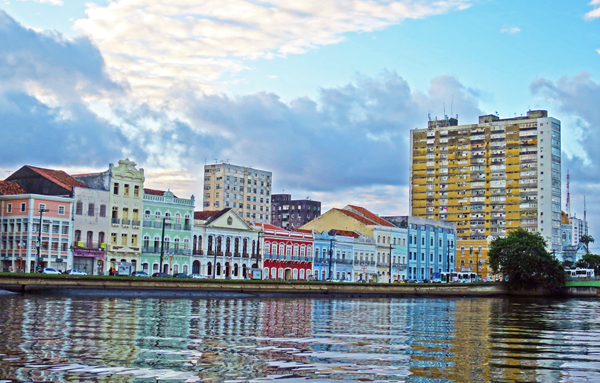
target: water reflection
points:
(45, 339)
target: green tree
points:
(586, 240)
(589, 261)
(568, 264)
(523, 257)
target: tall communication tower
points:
(568, 195)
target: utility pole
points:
(390, 262)
(214, 269)
(39, 244)
(162, 244)
(330, 257)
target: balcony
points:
(125, 222)
(187, 227)
(198, 252)
(88, 245)
(176, 226)
(147, 223)
(135, 223)
(115, 221)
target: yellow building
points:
(488, 178)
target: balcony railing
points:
(125, 222)
(87, 245)
(115, 221)
(169, 251)
(187, 227)
(135, 223)
(147, 223)
(198, 252)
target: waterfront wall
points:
(25, 284)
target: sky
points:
(323, 93)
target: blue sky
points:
(321, 92)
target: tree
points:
(568, 264)
(523, 257)
(589, 261)
(586, 240)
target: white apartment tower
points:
(245, 189)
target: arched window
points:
(281, 251)
(219, 246)
(77, 236)
(236, 247)
(146, 243)
(210, 245)
(186, 244)
(147, 215)
(245, 247)
(228, 246)
(178, 219)
(91, 209)
(209, 270)
(185, 269)
(157, 215)
(301, 273)
(176, 244)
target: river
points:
(80, 339)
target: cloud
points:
(595, 13)
(61, 129)
(51, 2)
(50, 64)
(510, 30)
(153, 44)
(577, 97)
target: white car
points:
(198, 276)
(49, 270)
(76, 272)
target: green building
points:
(176, 214)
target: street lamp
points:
(330, 257)
(21, 246)
(39, 242)
(391, 248)
(162, 242)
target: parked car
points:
(75, 272)
(436, 280)
(161, 275)
(198, 276)
(49, 270)
(181, 275)
(139, 274)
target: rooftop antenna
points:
(584, 210)
(429, 116)
(568, 195)
(444, 109)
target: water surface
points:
(65, 339)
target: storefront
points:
(88, 261)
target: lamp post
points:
(162, 243)
(39, 243)
(330, 257)
(21, 246)
(391, 248)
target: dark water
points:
(50, 339)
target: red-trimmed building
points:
(287, 255)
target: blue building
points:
(431, 246)
(342, 258)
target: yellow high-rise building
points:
(488, 178)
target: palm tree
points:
(586, 240)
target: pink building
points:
(20, 229)
(287, 255)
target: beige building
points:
(244, 189)
(125, 184)
(488, 178)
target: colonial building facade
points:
(288, 255)
(168, 228)
(224, 245)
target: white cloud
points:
(595, 13)
(510, 30)
(153, 44)
(52, 2)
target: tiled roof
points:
(268, 226)
(303, 231)
(157, 192)
(206, 214)
(371, 216)
(357, 217)
(347, 233)
(58, 177)
(11, 188)
(219, 213)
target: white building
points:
(244, 189)
(579, 228)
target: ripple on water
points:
(46, 339)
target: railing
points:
(147, 223)
(135, 223)
(125, 222)
(187, 227)
(169, 251)
(115, 221)
(87, 245)
(198, 252)
(157, 224)
(177, 226)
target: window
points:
(61, 210)
(126, 189)
(102, 210)
(113, 238)
(91, 209)
(134, 240)
(65, 230)
(79, 208)
(124, 239)
(100, 238)
(23, 205)
(136, 191)
(42, 206)
(116, 188)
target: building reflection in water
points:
(187, 340)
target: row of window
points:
(91, 210)
(23, 228)
(126, 189)
(41, 206)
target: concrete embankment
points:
(38, 284)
